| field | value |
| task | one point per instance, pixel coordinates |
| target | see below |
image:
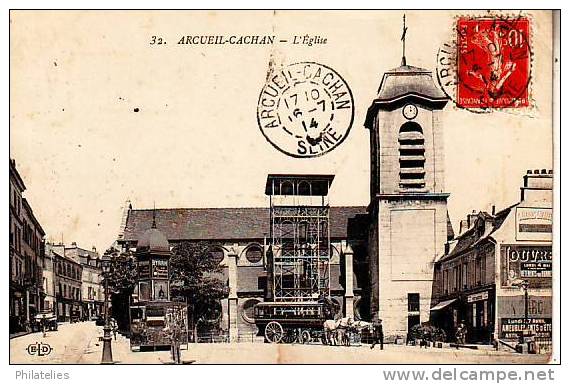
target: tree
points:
(122, 277)
(197, 277)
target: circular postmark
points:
(487, 64)
(305, 110)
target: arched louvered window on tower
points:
(412, 156)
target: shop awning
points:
(443, 304)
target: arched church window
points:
(412, 156)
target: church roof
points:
(402, 84)
(405, 80)
(179, 224)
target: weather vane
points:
(403, 39)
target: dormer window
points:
(412, 156)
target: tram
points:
(290, 322)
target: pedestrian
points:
(460, 333)
(43, 325)
(426, 339)
(171, 331)
(114, 328)
(377, 334)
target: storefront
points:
(479, 311)
(525, 296)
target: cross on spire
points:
(403, 39)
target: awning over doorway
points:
(442, 304)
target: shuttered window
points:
(412, 156)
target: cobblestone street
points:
(79, 344)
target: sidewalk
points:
(18, 334)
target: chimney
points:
(471, 219)
(463, 227)
(73, 244)
(94, 249)
(493, 210)
(537, 185)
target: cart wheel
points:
(289, 336)
(273, 332)
(305, 337)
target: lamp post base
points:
(107, 357)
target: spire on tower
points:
(403, 39)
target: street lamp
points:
(107, 357)
(524, 285)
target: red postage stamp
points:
(493, 62)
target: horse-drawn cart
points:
(290, 322)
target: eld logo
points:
(39, 349)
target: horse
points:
(344, 327)
(330, 331)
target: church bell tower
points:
(408, 203)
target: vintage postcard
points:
(359, 187)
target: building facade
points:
(50, 275)
(33, 249)
(496, 276)
(408, 201)
(92, 295)
(68, 277)
(26, 256)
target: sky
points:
(98, 115)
